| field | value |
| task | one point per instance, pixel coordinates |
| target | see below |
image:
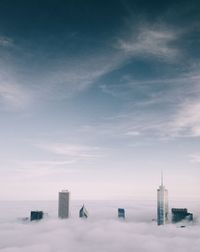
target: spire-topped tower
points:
(162, 203)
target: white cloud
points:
(13, 96)
(150, 40)
(58, 80)
(100, 232)
(76, 151)
(169, 109)
(5, 41)
(187, 121)
(132, 133)
(53, 163)
(67, 77)
(28, 169)
(46, 165)
(77, 75)
(195, 158)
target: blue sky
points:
(98, 98)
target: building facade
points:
(63, 204)
(36, 215)
(162, 204)
(121, 213)
(179, 214)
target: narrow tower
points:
(63, 204)
(162, 204)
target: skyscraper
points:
(121, 213)
(83, 213)
(63, 204)
(162, 204)
(179, 214)
(36, 215)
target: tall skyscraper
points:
(63, 204)
(162, 204)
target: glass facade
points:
(121, 213)
(63, 204)
(179, 214)
(36, 215)
(162, 205)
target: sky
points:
(102, 231)
(99, 97)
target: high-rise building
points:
(162, 204)
(121, 213)
(63, 204)
(179, 214)
(83, 213)
(36, 215)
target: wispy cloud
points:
(67, 77)
(13, 96)
(195, 158)
(43, 163)
(150, 40)
(187, 121)
(75, 151)
(132, 133)
(79, 74)
(39, 168)
(53, 162)
(170, 107)
(5, 41)
(42, 167)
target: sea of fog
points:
(101, 232)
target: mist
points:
(102, 231)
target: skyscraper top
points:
(65, 191)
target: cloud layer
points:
(102, 231)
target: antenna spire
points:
(162, 178)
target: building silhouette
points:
(83, 213)
(63, 204)
(121, 213)
(162, 204)
(179, 214)
(36, 215)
